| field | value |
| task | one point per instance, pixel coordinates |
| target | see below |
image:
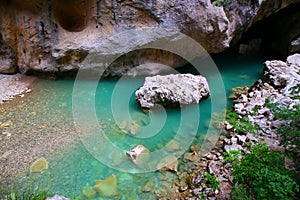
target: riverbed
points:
(42, 125)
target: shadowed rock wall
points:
(53, 37)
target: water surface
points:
(46, 116)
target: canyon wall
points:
(53, 37)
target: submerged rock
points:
(39, 165)
(149, 186)
(172, 89)
(168, 163)
(139, 155)
(89, 192)
(107, 187)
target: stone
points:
(214, 167)
(172, 89)
(149, 186)
(191, 156)
(222, 137)
(89, 192)
(234, 140)
(295, 46)
(241, 138)
(168, 163)
(228, 126)
(211, 157)
(39, 165)
(6, 155)
(107, 187)
(57, 197)
(225, 188)
(294, 59)
(122, 124)
(134, 128)
(139, 155)
(228, 148)
(251, 137)
(173, 146)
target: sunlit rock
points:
(39, 165)
(294, 59)
(139, 155)
(172, 89)
(191, 156)
(107, 187)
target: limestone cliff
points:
(54, 37)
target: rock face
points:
(54, 37)
(172, 89)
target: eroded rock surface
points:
(172, 89)
(54, 37)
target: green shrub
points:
(263, 173)
(241, 125)
(28, 195)
(289, 134)
(211, 181)
(238, 192)
(232, 157)
(220, 3)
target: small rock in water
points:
(89, 192)
(191, 156)
(172, 89)
(139, 155)
(168, 163)
(107, 187)
(122, 124)
(172, 146)
(39, 165)
(149, 186)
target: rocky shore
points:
(14, 85)
(258, 124)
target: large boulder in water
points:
(172, 89)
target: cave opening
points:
(275, 33)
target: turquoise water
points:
(74, 166)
